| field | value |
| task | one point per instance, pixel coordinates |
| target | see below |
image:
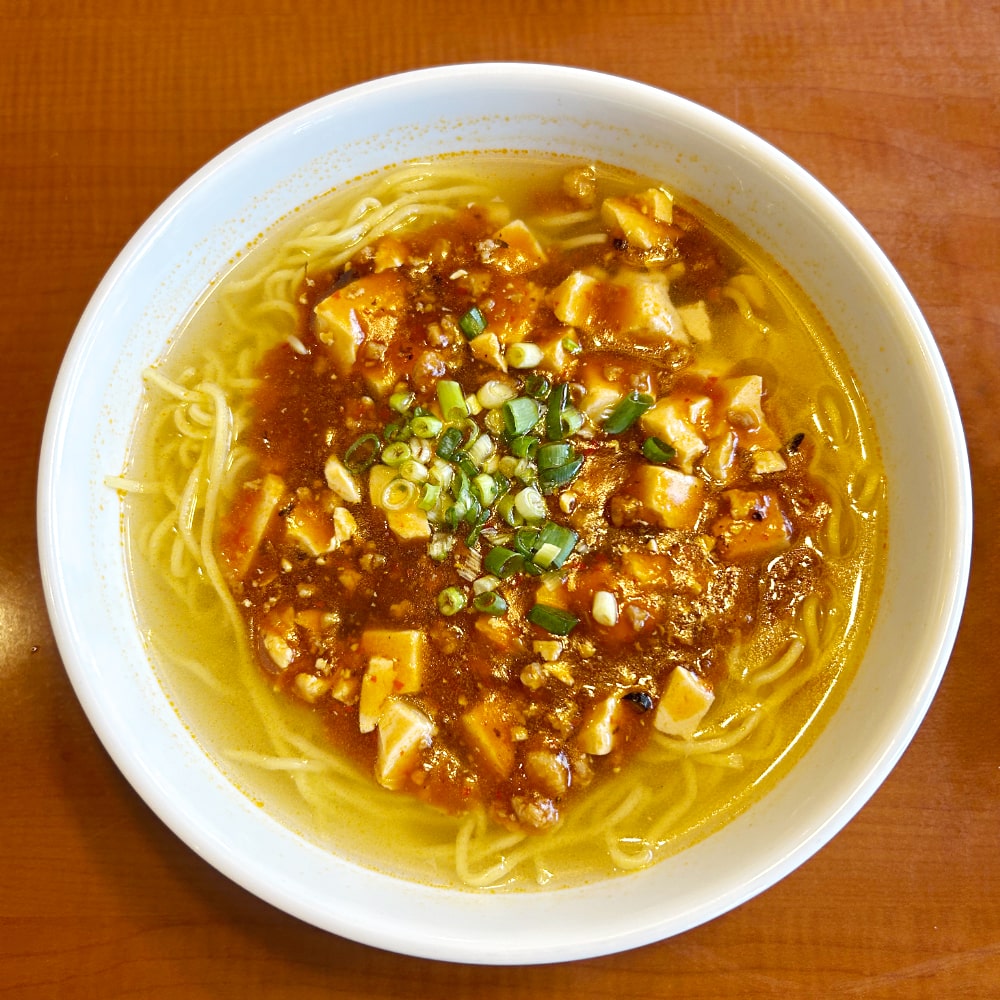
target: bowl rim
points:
(417, 941)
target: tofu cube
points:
(377, 684)
(406, 648)
(364, 309)
(515, 249)
(574, 300)
(644, 219)
(696, 321)
(648, 313)
(407, 524)
(668, 420)
(600, 726)
(684, 703)
(487, 726)
(741, 400)
(311, 529)
(486, 348)
(404, 730)
(668, 497)
(341, 481)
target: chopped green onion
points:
(546, 555)
(490, 602)
(494, 393)
(429, 496)
(526, 540)
(414, 471)
(537, 386)
(462, 460)
(525, 470)
(459, 484)
(396, 431)
(473, 508)
(520, 415)
(524, 445)
(484, 488)
(398, 493)
(530, 504)
(558, 542)
(482, 515)
(524, 355)
(494, 421)
(452, 400)
(440, 545)
(426, 426)
(473, 323)
(572, 419)
(502, 483)
(554, 454)
(484, 583)
(552, 619)
(441, 472)
(402, 402)
(558, 399)
(626, 412)
(450, 601)
(449, 443)
(571, 346)
(549, 479)
(396, 454)
(502, 562)
(657, 450)
(506, 509)
(481, 449)
(362, 454)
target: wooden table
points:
(104, 109)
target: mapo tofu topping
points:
(510, 514)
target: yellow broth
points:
(538, 757)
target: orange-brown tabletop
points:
(105, 108)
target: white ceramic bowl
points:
(165, 269)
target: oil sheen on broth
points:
(504, 521)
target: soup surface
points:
(525, 514)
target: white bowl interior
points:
(166, 268)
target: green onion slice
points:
(558, 542)
(452, 400)
(537, 386)
(362, 454)
(484, 488)
(656, 450)
(396, 454)
(520, 415)
(549, 479)
(524, 355)
(502, 562)
(450, 601)
(402, 402)
(553, 454)
(490, 602)
(558, 400)
(449, 443)
(552, 619)
(429, 496)
(530, 504)
(626, 412)
(524, 445)
(473, 323)
(426, 426)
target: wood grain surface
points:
(106, 106)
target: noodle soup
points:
(590, 629)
